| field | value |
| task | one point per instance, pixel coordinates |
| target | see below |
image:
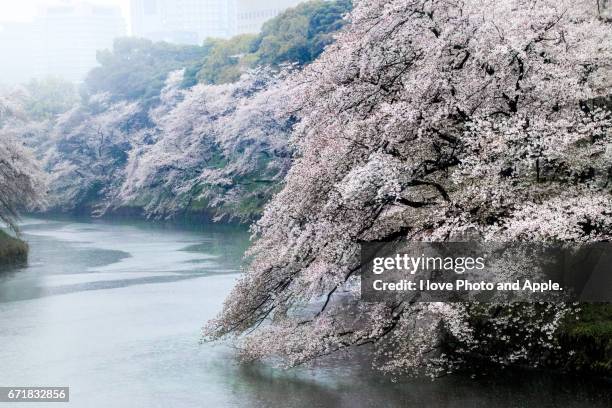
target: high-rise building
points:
(61, 41)
(71, 35)
(192, 21)
(183, 21)
(21, 52)
(252, 14)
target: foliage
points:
(49, 97)
(593, 320)
(429, 120)
(12, 250)
(147, 137)
(86, 150)
(227, 59)
(223, 147)
(297, 35)
(219, 149)
(301, 33)
(22, 184)
(136, 68)
(588, 340)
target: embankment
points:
(12, 250)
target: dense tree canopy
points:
(86, 150)
(137, 68)
(425, 120)
(296, 36)
(22, 184)
(301, 33)
(422, 119)
(221, 148)
(227, 59)
(214, 149)
(139, 140)
(49, 97)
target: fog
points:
(59, 38)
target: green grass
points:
(12, 250)
(594, 320)
(589, 339)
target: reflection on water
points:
(114, 311)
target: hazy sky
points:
(25, 10)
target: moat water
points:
(114, 311)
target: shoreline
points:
(586, 342)
(13, 251)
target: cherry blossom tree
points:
(218, 147)
(429, 120)
(86, 150)
(22, 183)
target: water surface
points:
(114, 310)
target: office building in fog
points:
(21, 52)
(192, 21)
(61, 41)
(72, 34)
(183, 21)
(252, 14)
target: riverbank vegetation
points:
(22, 183)
(588, 340)
(165, 130)
(414, 119)
(13, 251)
(431, 120)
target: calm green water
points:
(114, 311)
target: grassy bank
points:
(588, 340)
(12, 250)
